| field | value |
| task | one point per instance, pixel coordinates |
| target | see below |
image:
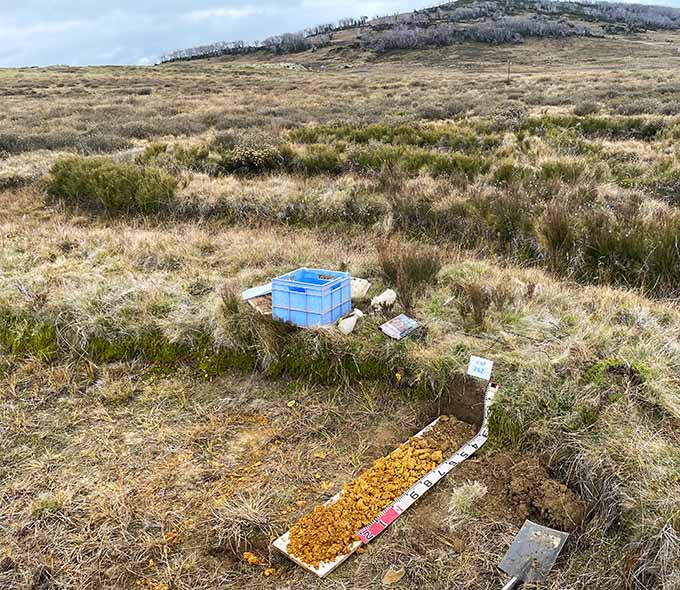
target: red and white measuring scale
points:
(409, 497)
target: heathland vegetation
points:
(153, 427)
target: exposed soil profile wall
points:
(462, 398)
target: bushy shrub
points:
(455, 108)
(586, 107)
(102, 184)
(176, 157)
(196, 157)
(321, 159)
(408, 268)
(432, 112)
(245, 159)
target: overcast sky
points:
(89, 32)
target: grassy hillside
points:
(492, 22)
(153, 428)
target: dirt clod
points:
(252, 559)
(559, 505)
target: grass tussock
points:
(409, 268)
(456, 138)
(245, 522)
(614, 128)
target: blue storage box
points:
(309, 297)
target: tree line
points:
(497, 31)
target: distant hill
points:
(482, 21)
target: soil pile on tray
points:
(329, 530)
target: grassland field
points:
(153, 428)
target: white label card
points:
(480, 368)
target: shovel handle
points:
(512, 583)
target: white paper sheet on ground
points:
(359, 287)
(406, 500)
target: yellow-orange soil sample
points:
(328, 531)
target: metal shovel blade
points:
(533, 553)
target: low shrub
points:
(408, 268)
(244, 159)
(432, 112)
(586, 107)
(639, 107)
(87, 144)
(664, 182)
(102, 184)
(321, 159)
(175, 158)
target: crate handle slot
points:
(298, 289)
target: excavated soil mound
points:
(328, 531)
(521, 488)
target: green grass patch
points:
(451, 137)
(636, 372)
(642, 128)
(22, 336)
(373, 158)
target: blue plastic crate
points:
(310, 297)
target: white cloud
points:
(15, 31)
(210, 13)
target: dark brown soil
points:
(464, 399)
(521, 488)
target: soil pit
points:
(328, 531)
